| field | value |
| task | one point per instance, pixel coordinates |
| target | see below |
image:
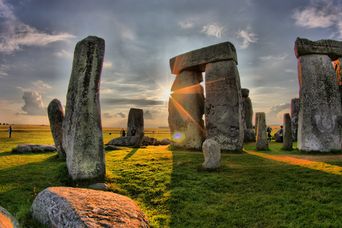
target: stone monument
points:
(82, 128)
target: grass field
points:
(249, 190)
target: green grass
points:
(170, 187)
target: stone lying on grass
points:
(111, 147)
(33, 148)
(130, 141)
(78, 207)
(7, 220)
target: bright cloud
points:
(323, 14)
(246, 37)
(64, 54)
(213, 30)
(281, 57)
(107, 64)
(15, 34)
(187, 24)
(33, 103)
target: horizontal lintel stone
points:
(197, 59)
(332, 48)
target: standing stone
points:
(82, 128)
(287, 134)
(135, 126)
(56, 118)
(261, 136)
(212, 154)
(294, 117)
(247, 116)
(186, 108)
(223, 106)
(339, 76)
(320, 105)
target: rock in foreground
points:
(33, 148)
(212, 154)
(7, 220)
(77, 207)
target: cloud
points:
(274, 57)
(3, 70)
(246, 37)
(38, 86)
(107, 64)
(33, 103)
(274, 115)
(319, 14)
(15, 34)
(126, 101)
(213, 30)
(120, 115)
(187, 24)
(148, 115)
(64, 54)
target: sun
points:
(165, 94)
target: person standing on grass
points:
(10, 131)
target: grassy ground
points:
(247, 191)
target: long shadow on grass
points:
(249, 191)
(130, 154)
(20, 184)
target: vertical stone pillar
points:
(186, 108)
(287, 134)
(339, 76)
(320, 105)
(261, 135)
(294, 118)
(247, 116)
(135, 126)
(223, 106)
(56, 118)
(82, 128)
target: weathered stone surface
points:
(187, 81)
(294, 118)
(82, 128)
(7, 220)
(332, 48)
(77, 207)
(186, 108)
(247, 116)
(33, 148)
(197, 59)
(287, 135)
(261, 135)
(212, 154)
(223, 105)
(99, 186)
(129, 141)
(135, 125)
(244, 93)
(249, 135)
(165, 141)
(320, 105)
(56, 118)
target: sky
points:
(37, 40)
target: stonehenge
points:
(247, 116)
(56, 118)
(82, 127)
(294, 118)
(287, 132)
(212, 154)
(186, 108)
(222, 103)
(320, 99)
(261, 136)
